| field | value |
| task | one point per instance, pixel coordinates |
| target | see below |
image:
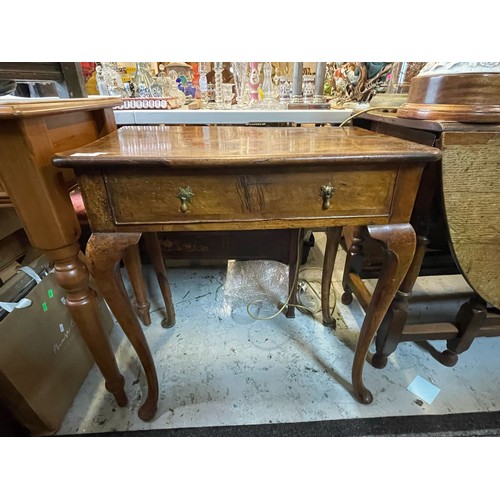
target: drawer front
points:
(220, 196)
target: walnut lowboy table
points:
(198, 178)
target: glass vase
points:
(240, 70)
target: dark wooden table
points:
(173, 178)
(457, 211)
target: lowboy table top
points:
(180, 146)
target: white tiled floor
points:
(217, 366)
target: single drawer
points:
(263, 194)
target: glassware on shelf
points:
(102, 88)
(308, 89)
(161, 80)
(254, 83)
(156, 89)
(219, 100)
(202, 68)
(269, 101)
(267, 84)
(285, 89)
(142, 81)
(129, 89)
(227, 94)
(113, 80)
(211, 93)
(165, 82)
(240, 70)
(276, 77)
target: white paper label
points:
(88, 154)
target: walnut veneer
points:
(173, 178)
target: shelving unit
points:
(230, 117)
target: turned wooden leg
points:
(390, 333)
(353, 263)
(333, 235)
(72, 276)
(133, 264)
(155, 254)
(399, 244)
(470, 317)
(104, 252)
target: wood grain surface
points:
(12, 108)
(188, 147)
(462, 97)
(471, 188)
(257, 177)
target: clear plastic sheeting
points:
(262, 281)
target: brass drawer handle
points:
(326, 192)
(186, 196)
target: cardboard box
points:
(43, 358)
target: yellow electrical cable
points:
(309, 283)
(366, 111)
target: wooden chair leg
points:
(470, 317)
